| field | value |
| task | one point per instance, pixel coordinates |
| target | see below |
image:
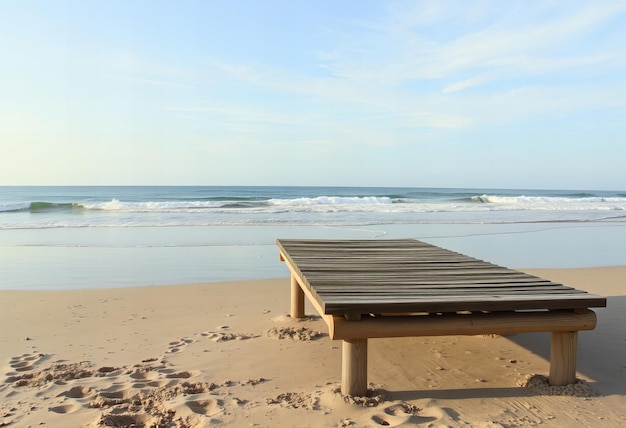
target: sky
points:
(496, 94)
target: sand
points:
(227, 354)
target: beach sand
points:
(228, 354)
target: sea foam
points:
(334, 200)
(543, 203)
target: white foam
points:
(367, 204)
(333, 200)
(551, 203)
(152, 206)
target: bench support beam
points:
(454, 325)
(563, 358)
(354, 367)
(297, 299)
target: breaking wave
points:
(130, 207)
(551, 202)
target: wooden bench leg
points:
(354, 367)
(297, 299)
(563, 358)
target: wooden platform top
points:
(406, 275)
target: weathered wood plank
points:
(346, 276)
(441, 305)
(362, 276)
(450, 293)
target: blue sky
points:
(507, 94)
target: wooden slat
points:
(434, 291)
(397, 276)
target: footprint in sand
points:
(108, 371)
(25, 362)
(78, 392)
(59, 373)
(180, 375)
(255, 381)
(178, 345)
(118, 395)
(144, 374)
(400, 414)
(123, 407)
(296, 400)
(67, 408)
(197, 411)
(225, 337)
(209, 406)
(161, 383)
(113, 396)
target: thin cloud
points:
(412, 50)
(155, 82)
(463, 84)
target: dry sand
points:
(227, 354)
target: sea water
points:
(86, 237)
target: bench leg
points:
(354, 367)
(297, 299)
(563, 358)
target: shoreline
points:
(224, 352)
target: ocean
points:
(75, 237)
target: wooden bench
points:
(400, 288)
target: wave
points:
(551, 202)
(331, 204)
(14, 206)
(192, 205)
(37, 207)
(204, 206)
(272, 205)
